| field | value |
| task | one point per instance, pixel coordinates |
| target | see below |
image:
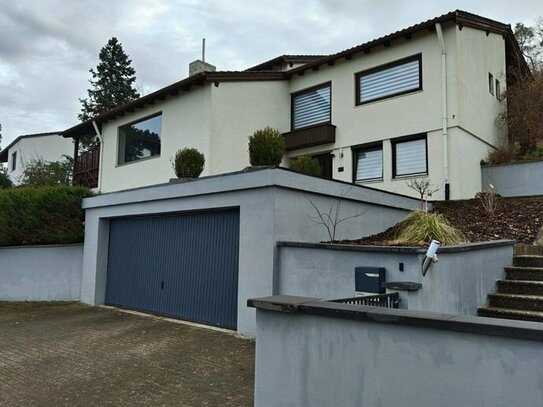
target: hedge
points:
(42, 215)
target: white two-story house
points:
(40, 146)
(422, 101)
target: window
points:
(311, 106)
(409, 157)
(140, 139)
(498, 90)
(369, 163)
(14, 161)
(397, 78)
(490, 83)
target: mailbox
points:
(370, 279)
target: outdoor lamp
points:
(430, 256)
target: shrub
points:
(38, 172)
(503, 154)
(266, 147)
(5, 182)
(420, 228)
(306, 165)
(188, 163)
(44, 215)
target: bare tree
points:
(330, 218)
(489, 199)
(424, 188)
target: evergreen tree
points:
(112, 85)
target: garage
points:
(183, 265)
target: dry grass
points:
(421, 227)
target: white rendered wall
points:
(49, 148)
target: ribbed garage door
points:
(185, 266)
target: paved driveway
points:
(74, 355)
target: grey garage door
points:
(185, 266)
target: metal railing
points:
(390, 300)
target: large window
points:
(311, 106)
(140, 139)
(369, 163)
(410, 157)
(393, 79)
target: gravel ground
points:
(67, 354)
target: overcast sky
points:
(48, 46)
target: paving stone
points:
(68, 354)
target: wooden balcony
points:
(310, 136)
(86, 168)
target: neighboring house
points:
(422, 101)
(45, 146)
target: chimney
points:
(200, 65)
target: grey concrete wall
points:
(516, 179)
(458, 283)
(274, 205)
(308, 360)
(41, 273)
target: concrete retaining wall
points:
(337, 355)
(515, 179)
(41, 273)
(458, 283)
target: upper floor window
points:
(498, 90)
(14, 161)
(393, 79)
(409, 156)
(369, 163)
(491, 83)
(311, 106)
(140, 139)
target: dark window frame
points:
(14, 161)
(151, 116)
(358, 75)
(378, 145)
(293, 95)
(491, 84)
(399, 140)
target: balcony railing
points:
(86, 169)
(310, 136)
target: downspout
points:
(444, 110)
(99, 135)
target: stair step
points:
(528, 261)
(520, 287)
(524, 273)
(507, 313)
(516, 301)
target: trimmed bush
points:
(266, 147)
(421, 227)
(188, 163)
(43, 215)
(306, 165)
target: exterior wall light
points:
(430, 257)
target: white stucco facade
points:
(24, 149)
(218, 116)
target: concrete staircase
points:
(520, 294)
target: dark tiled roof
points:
(4, 152)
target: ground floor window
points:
(409, 156)
(140, 139)
(369, 163)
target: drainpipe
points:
(444, 110)
(99, 135)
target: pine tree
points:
(112, 85)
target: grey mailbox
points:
(370, 279)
